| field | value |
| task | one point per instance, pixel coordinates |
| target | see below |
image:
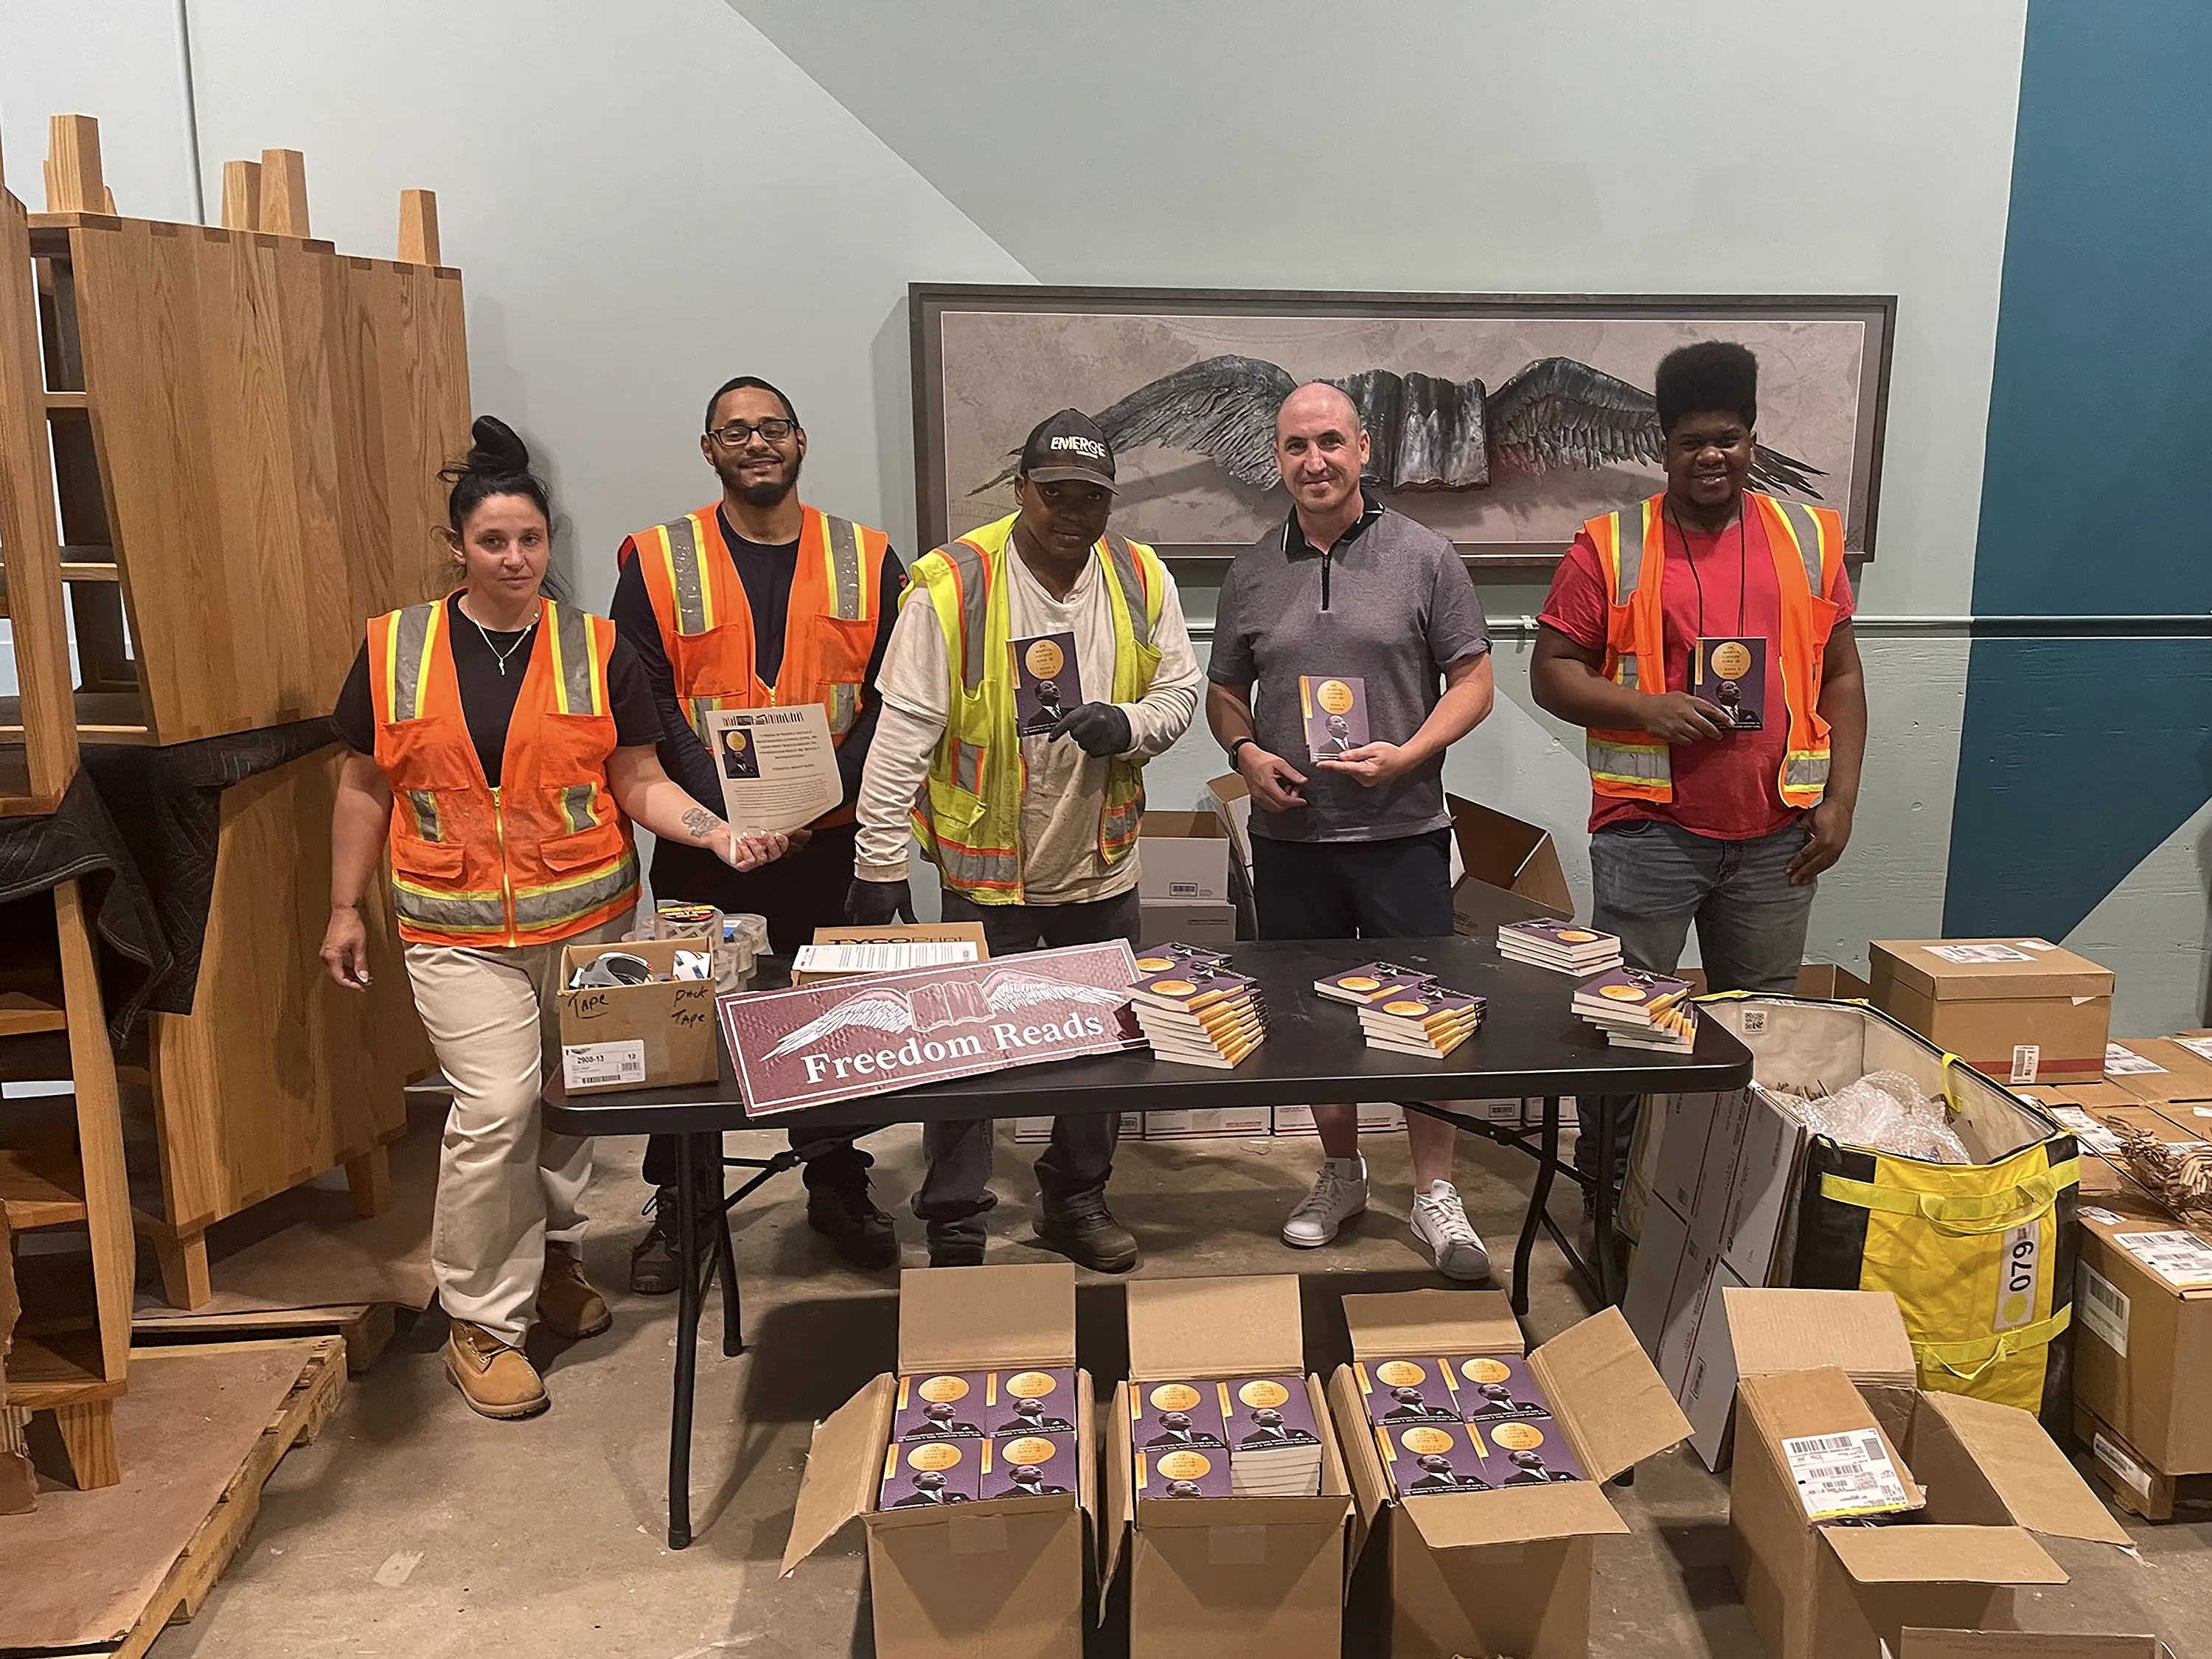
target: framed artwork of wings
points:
(1502, 420)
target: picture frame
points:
(1503, 421)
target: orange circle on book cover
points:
(1183, 1466)
(1405, 1005)
(944, 1390)
(1174, 1397)
(1029, 1449)
(1518, 1436)
(1172, 987)
(1423, 1441)
(1031, 1385)
(1400, 1373)
(1334, 696)
(934, 1455)
(1484, 1370)
(1360, 983)
(1262, 1395)
(1622, 993)
(1154, 964)
(1731, 661)
(1044, 658)
(1576, 936)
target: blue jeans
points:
(1650, 879)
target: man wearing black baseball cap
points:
(1033, 828)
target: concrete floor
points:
(412, 1527)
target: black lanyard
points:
(1742, 574)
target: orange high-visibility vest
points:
(707, 624)
(1807, 546)
(545, 855)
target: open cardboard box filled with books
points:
(1491, 1534)
(1225, 1485)
(971, 1467)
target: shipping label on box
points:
(1209, 1123)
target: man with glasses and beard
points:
(758, 598)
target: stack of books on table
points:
(1196, 1011)
(1562, 946)
(1432, 1021)
(1372, 982)
(1640, 1010)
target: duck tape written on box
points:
(889, 1031)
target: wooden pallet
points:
(366, 1328)
(174, 1571)
(2132, 1482)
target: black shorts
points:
(1397, 889)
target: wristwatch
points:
(1239, 745)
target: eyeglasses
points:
(737, 434)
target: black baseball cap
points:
(1068, 447)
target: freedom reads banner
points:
(883, 1032)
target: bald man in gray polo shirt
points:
(1356, 843)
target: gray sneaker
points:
(1340, 1192)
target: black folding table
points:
(1531, 1045)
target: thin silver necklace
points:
(497, 655)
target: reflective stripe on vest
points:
(1626, 567)
(973, 572)
(1804, 770)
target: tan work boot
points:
(494, 1379)
(566, 1299)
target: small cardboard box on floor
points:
(659, 1034)
(1005, 1577)
(1975, 1481)
(1507, 1572)
(1218, 1578)
(2142, 1356)
(2017, 1010)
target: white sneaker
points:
(1340, 1192)
(1440, 1222)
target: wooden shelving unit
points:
(240, 431)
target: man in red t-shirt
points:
(1726, 851)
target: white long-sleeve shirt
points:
(1067, 789)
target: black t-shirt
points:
(767, 571)
(488, 696)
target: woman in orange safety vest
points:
(503, 743)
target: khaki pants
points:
(505, 1187)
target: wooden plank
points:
(283, 193)
(41, 1185)
(73, 180)
(245, 1103)
(366, 1328)
(22, 1014)
(241, 195)
(58, 1368)
(19, 1482)
(27, 521)
(418, 227)
(98, 1132)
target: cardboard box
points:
(1209, 1123)
(1979, 1480)
(1376, 1117)
(1003, 1578)
(1195, 921)
(897, 932)
(1182, 856)
(2143, 1354)
(2035, 1014)
(1213, 1578)
(2135, 1485)
(1507, 1572)
(1232, 804)
(2026, 1644)
(2183, 1075)
(659, 1035)
(1037, 1131)
(1499, 850)
(2092, 1111)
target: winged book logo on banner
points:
(847, 1039)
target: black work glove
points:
(873, 903)
(1100, 729)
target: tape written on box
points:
(2180, 1258)
(2102, 1306)
(1844, 1474)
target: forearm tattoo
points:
(702, 825)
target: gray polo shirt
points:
(1392, 604)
